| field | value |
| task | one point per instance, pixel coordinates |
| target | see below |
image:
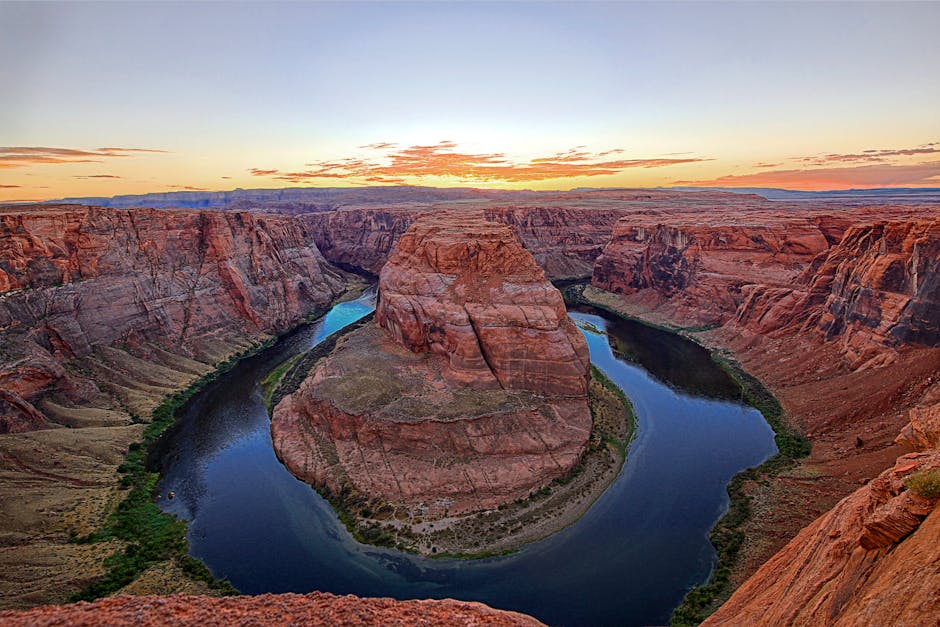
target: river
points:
(628, 561)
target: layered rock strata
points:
(878, 287)
(836, 314)
(563, 240)
(470, 391)
(871, 560)
(696, 272)
(468, 291)
(117, 285)
(103, 313)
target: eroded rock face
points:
(469, 392)
(196, 284)
(871, 560)
(878, 287)
(564, 240)
(316, 608)
(468, 291)
(696, 272)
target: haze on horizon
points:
(105, 99)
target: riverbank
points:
(728, 536)
(154, 555)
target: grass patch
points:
(924, 483)
(270, 383)
(151, 535)
(621, 444)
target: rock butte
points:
(472, 394)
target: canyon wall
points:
(102, 314)
(695, 272)
(837, 315)
(82, 282)
(871, 560)
(878, 287)
(564, 240)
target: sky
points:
(114, 98)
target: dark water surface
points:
(628, 561)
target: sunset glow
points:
(542, 96)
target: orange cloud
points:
(876, 175)
(98, 176)
(444, 160)
(876, 155)
(10, 186)
(22, 156)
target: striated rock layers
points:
(470, 391)
(314, 609)
(878, 287)
(564, 240)
(467, 290)
(695, 272)
(871, 560)
(83, 282)
(837, 314)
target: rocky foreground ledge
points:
(313, 609)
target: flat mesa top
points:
(368, 373)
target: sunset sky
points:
(117, 98)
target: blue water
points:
(628, 561)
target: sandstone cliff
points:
(103, 313)
(695, 272)
(564, 240)
(878, 287)
(314, 609)
(118, 285)
(478, 401)
(836, 313)
(871, 560)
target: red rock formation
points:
(880, 286)
(187, 282)
(314, 609)
(564, 240)
(695, 272)
(467, 290)
(360, 238)
(847, 341)
(488, 402)
(871, 560)
(383, 421)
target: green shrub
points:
(925, 483)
